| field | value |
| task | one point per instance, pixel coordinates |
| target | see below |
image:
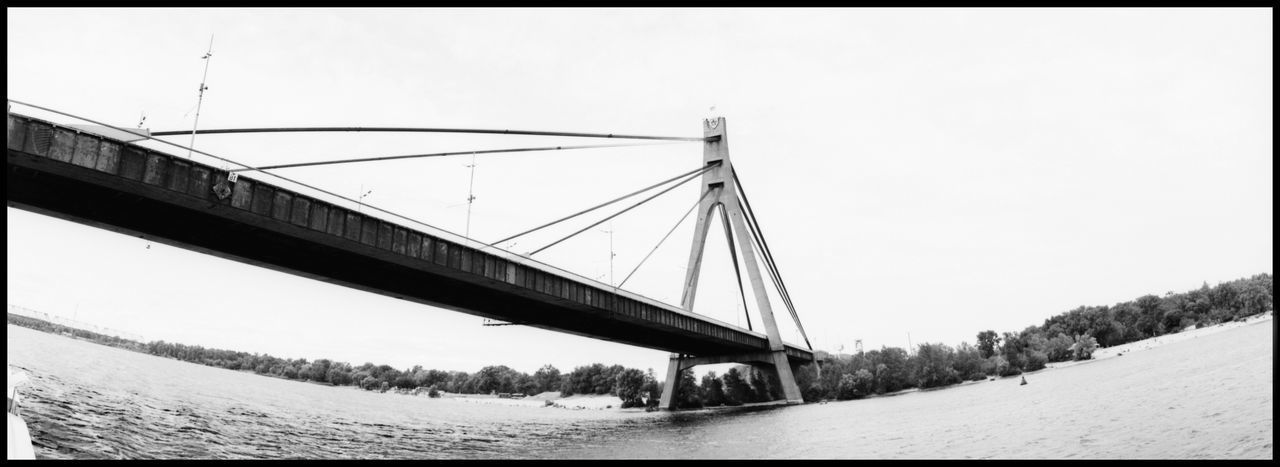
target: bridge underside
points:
(165, 199)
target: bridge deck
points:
(95, 180)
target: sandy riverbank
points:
(609, 402)
(577, 402)
(1205, 394)
(1147, 344)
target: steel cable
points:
(598, 206)
(660, 193)
(764, 246)
(454, 153)
(664, 237)
(428, 130)
(733, 253)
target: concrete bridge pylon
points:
(720, 192)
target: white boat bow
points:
(20, 446)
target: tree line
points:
(54, 328)
(634, 387)
(1072, 335)
(1068, 336)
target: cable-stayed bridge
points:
(99, 177)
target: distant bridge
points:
(74, 323)
(84, 177)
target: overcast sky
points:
(922, 172)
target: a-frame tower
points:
(720, 191)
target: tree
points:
(1171, 319)
(1220, 315)
(437, 378)
(547, 378)
(1118, 333)
(1077, 320)
(385, 374)
(856, 386)
(403, 380)
(968, 362)
(864, 383)
(1004, 368)
(1058, 349)
(1084, 347)
(892, 370)
(737, 391)
(418, 376)
(358, 377)
(1257, 295)
(759, 387)
(525, 384)
(1013, 346)
(339, 374)
(602, 382)
(629, 384)
(319, 370)
(847, 388)
(811, 389)
(1149, 316)
(1226, 296)
(495, 378)
(881, 376)
(775, 385)
(832, 368)
(934, 366)
(1196, 303)
(712, 390)
(1053, 328)
(1035, 360)
(304, 373)
(1034, 339)
(459, 382)
(688, 395)
(987, 342)
(588, 379)
(652, 389)
(579, 381)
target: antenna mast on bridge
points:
(208, 57)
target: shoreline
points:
(611, 402)
(552, 399)
(1157, 404)
(1103, 353)
(549, 399)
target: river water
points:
(1208, 397)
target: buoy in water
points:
(1024, 381)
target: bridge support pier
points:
(775, 361)
(719, 191)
